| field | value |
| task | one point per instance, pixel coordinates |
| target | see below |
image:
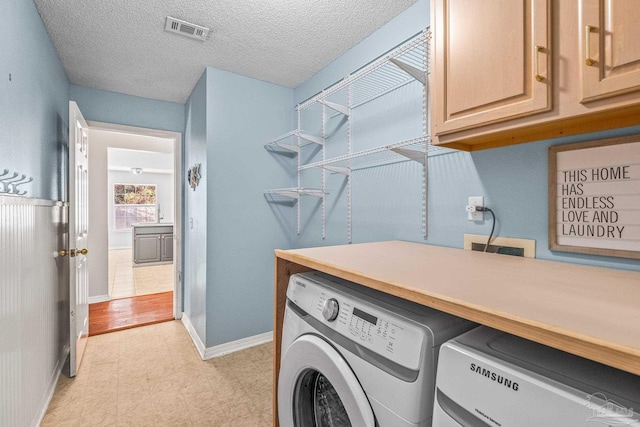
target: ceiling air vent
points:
(184, 28)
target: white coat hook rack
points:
(9, 183)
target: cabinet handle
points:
(538, 77)
(587, 45)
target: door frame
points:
(178, 196)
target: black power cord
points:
(493, 225)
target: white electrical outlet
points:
(472, 213)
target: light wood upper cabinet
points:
(483, 89)
(610, 44)
(491, 61)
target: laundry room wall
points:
(34, 305)
(34, 105)
(386, 202)
(117, 108)
(229, 258)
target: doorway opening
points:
(136, 208)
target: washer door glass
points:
(317, 388)
(317, 403)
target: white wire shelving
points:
(414, 149)
(397, 68)
(401, 66)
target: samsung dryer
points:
(490, 378)
(353, 356)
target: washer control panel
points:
(371, 326)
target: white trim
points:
(99, 298)
(118, 248)
(144, 170)
(194, 335)
(53, 382)
(207, 353)
(177, 213)
(136, 130)
(233, 346)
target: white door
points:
(78, 227)
(316, 387)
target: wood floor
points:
(125, 313)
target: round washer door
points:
(316, 388)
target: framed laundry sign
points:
(594, 197)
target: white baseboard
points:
(207, 353)
(99, 298)
(116, 248)
(194, 335)
(53, 382)
(241, 344)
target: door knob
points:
(62, 252)
(83, 251)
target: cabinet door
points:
(609, 47)
(491, 61)
(167, 247)
(146, 248)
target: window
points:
(133, 203)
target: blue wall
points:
(34, 111)
(228, 208)
(241, 113)
(34, 108)
(117, 108)
(386, 199)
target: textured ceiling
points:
(121, 45)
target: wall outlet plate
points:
(472, 214)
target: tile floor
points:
(153, 376)
(127, 281)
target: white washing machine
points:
(490, 378)
(353, 356)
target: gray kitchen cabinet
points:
(152, 243)
(166, 247)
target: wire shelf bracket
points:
(295, 193)
(276, 146)
(311, 138)
(342, 109)
(337, 169)
(414, 72)
(416, 155)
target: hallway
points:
(153, 376)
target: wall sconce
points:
(136, 171)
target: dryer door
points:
(317, 388)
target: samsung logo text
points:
(493, 376)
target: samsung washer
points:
(353, 356)
(490, 378)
